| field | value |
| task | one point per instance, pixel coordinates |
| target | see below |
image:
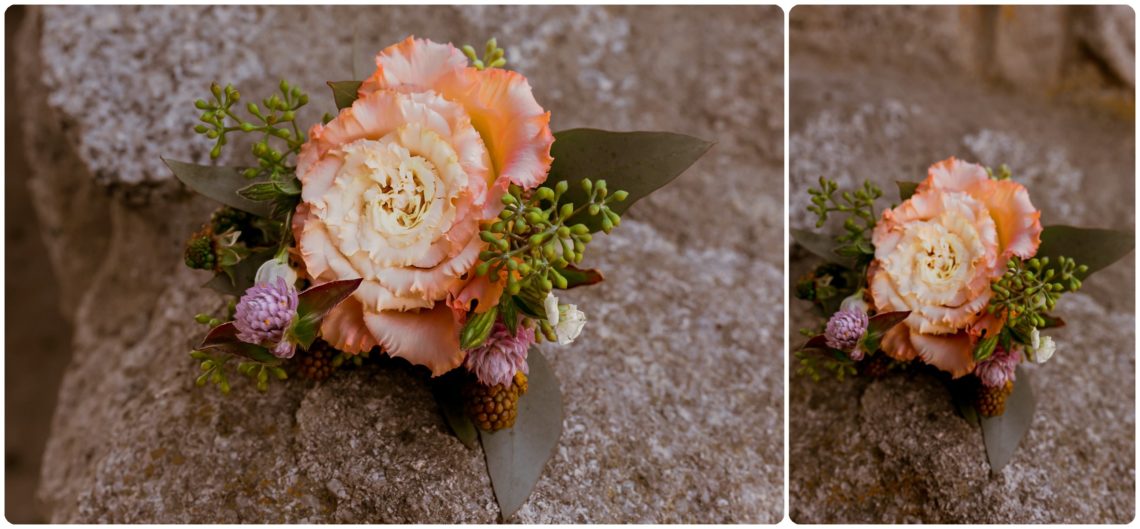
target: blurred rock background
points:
(881, 93)
(673, 397)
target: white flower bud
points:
(1042, 347)
(274, 268)
(570, 323)
(567, 320)
(854, 302)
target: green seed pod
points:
(561, 187)
(593, 209)
(566, 210)
(621, 195)
(559, 280)
(510, 200)
(535, 218)
(544, 193)
(506, 214)
(587, 185)
(481, 268)
(487, 236)
(579, 229)
(607, 225)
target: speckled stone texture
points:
(893, 449)
(672, 396)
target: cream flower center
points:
(393, 198)
(402, 187)
(936, 259)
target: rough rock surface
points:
(893, 449)
(672, 396)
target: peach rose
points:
(395, 187)
(936, 255)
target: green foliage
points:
(637, 162)
(477, 328)
(1003, 172)
(344, 94)
(493, 55)
(1030, 289)
(213, 370)
(859, 206)
(275, 121)
(538, 236)
(815, 362)
(260, 373)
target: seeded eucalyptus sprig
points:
(814, 362)
(859, 206)
(1030, 289)
(535, 237)
(493, 55)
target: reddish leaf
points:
(881, 323)
(576, 277)
(224, 338)
(317, 301)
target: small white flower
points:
(275, 268)
(854, 302)
(570, 323)
(1043, 347)
(567, 320)
(551, 306)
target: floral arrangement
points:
(432, 219)
(960, 276)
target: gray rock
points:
(893, 449)
(672, 396)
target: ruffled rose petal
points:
(413, 65)
(953, 353)
(427, 337)
(514, 126)
(896, 343)
(344, 328)
(1018, 222)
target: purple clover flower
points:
(845, 329)
(501, 356)
(263, 314)
(999, 368)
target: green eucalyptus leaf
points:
(517, 456)
(477, 328)
(985, 348)
(316, 302)
(260, 192)
(906, 189)
(224, 338)
(1093, 247)
(510, 313)
(636, 162)
(821, 245)
(344, 92)
(446, 390)
(1002, 434)
(219, 183)
(289, 186)
(577, 277)
(303, 332)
